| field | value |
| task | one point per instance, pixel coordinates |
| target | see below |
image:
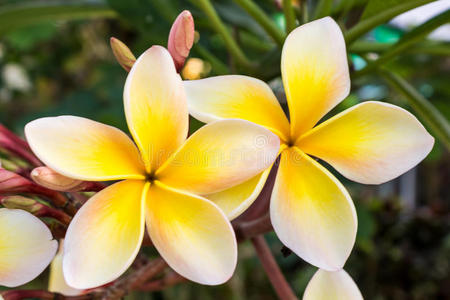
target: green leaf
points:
(374, 7)
(25, 13)
(26, 37)
(323, 9)
(381, 17)
(409, 39)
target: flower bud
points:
(19, 202)
(46, 177)
(123, 54)
(12, 182)
(181, 38)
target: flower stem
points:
(263, 19)
(219, 26)
(382, 17)
(272, 269)
(429, 114)
(249, 229)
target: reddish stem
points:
(272, 269)
(18, 146)
(143, 273)
(261, 205)
(58, 199)
(92, 186)
(246, 230)
(50, 212)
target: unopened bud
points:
(123, 54)
(46, 177)
(19, 202)
(181, 38)
(12, 182)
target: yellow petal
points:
(83, 149)
(314, 71)
(56, 282)
(155, 106)
(235, 200)
(336, 285)
(311, 212)
(236, 97)
(220, 155)
(192, 235)
(105, 235)
(26, 247)
(371, 143)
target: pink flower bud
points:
(181, 38)
(12, 182)
(123, 54)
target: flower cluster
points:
(185, 191)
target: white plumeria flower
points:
(163, 177)
(56, 282)
(337, 285)
(26, 247)
(373, 142)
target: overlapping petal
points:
(235, 200)
(236, 97)
(83, 149)
(155, 106)
(56, 282)
(371, 143)
(105, 235)
(220, 155)
(314, 71)
(26, 247)
(192, 235)
(311, 212)
(336, 285)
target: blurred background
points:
(55, 59)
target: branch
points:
(250, 229)
(272, 269)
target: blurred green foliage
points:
(55, 60)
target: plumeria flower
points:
(56, 281)
(371, 143)
(337, 285)
(163, 175)
(26, 247)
